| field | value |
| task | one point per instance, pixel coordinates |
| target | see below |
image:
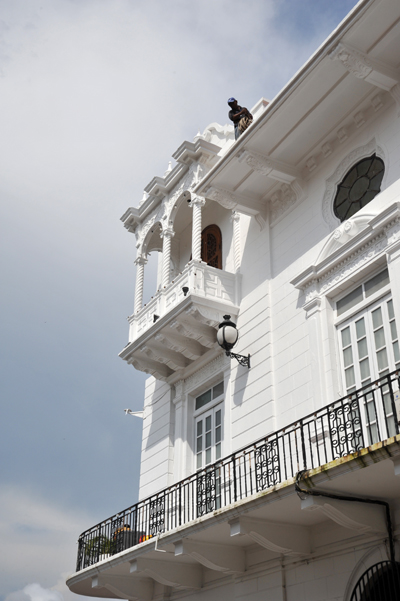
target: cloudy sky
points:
(95, 96)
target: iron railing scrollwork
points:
(356, 421)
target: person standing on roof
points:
(240, 116)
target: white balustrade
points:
(203, 282)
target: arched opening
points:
(380, 581)
(211, 246)
(152, 249)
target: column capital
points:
(200, 201)
(141, 260)
(235, 216)
(168, 232)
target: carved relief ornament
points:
(256, 162)
(284, 198)
(355, 62)
(319, 286)
(223, 197)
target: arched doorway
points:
(211, 246)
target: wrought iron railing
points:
(350, 424)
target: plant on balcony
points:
(97, 549)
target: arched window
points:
(359, 186)
(211, 246)
(380, 581)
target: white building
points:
(293, 231)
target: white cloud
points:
(37, 543)
(95, 97)
(38, 593)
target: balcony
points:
(239, 492)
(178, 326)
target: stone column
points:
(236, 240)
(140, 263)
(197, 203)
(167, 236)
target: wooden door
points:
(211, 246)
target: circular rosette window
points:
(359, 186)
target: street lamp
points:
(227, 337)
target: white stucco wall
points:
(294, 362)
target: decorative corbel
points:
(268, 167)
(364, 67)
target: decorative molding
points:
(223, 197)
(204, 316)
(268, 167)
(221, 558)
(355, 516)
(326, 149)
(237, 253)
(377, 102)
(179, 392)
(359, 119)
(331, 183)
(354, 61)
(363, 67)
(212, 369)
(392, 231)
(144, 228)
(197, 200)
(163, 213)
(311, 164)
(232, 201)
(286, 539)
(353, 263)
(168, 232)
(255, 161)
(140, 260)
(342, 134)
(320, 286)
(395, 93)
(283, 199)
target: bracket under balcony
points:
(179, 325)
